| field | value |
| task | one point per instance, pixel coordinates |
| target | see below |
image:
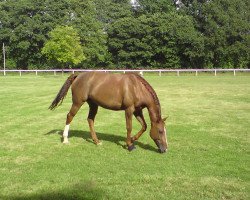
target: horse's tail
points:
(63, 92)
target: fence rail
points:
(141, 71)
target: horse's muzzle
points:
(161, 149)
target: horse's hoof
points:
(65, 141)
(97, 142)
(131, 147)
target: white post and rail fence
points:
(160, 72)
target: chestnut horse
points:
(128, 92)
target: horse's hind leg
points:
(139, 116)
(74, 109)
(91, 118)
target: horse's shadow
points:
(117, 139)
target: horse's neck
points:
(154, 112)
(152, 101)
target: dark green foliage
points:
(25, 24)
(151, 7)
(23, 28)
(225, 27)
(158, 40)
(84, 19)
(117, 34)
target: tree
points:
(157, 6)
(91, 32)
(64, 46)
(109, 11)
(22, 30)
(225, 28)
(25, 24)
(159, 40)
(198, 34)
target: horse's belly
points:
(109, 104)
(108, 101)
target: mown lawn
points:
(208, 135)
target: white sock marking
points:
(66, 131)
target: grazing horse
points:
(128, 92)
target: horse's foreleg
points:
(140, 118)
(91, 118)
(70, 116)
(129, 114)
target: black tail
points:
(63, 92)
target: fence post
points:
(36, 72)
(215, 73)
(160, 73)
(178, 73)
(141, 73)
(54, 72)
(234, 72)
(196, 73)
(4, 63)
(20, 73)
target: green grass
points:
(208, 135)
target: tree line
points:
(125, 34)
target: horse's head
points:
(158, 133)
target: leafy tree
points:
(200, 33)
(106, 12)
(25, 27)
(64, 46)
(159, 40)
(109, 11)
(225, 27)
(25, 24)
(152, 7)
(91, 32)
(22, 30)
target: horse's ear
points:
(165, 118)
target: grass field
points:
(208, 135)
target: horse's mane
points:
(152, 92)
